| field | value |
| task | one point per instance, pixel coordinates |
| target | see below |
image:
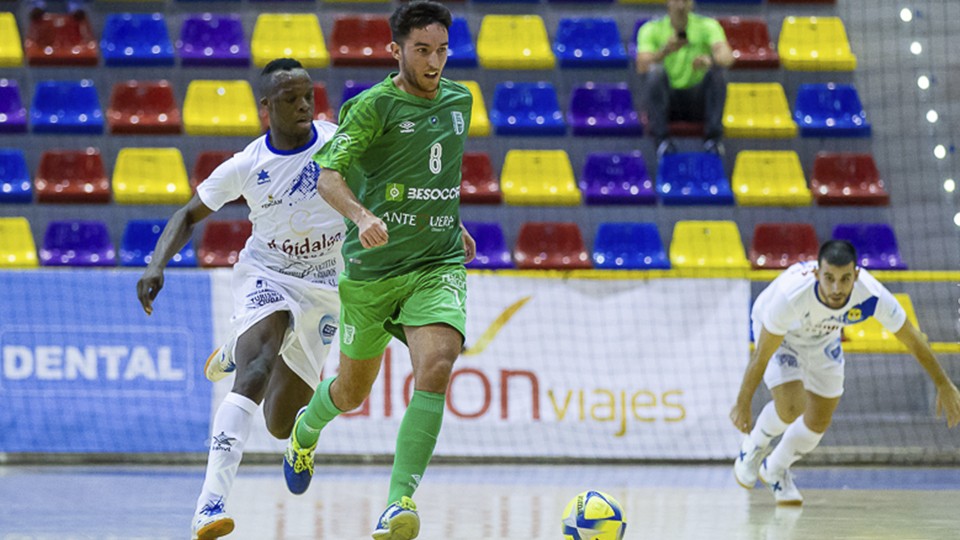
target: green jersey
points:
(702, 34)
(401, 155)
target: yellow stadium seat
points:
(770, 179)
(870, 335)
(514, 42)
(539, 177)
(707, 245)
(17, 249)
(150, 176)
(815, 44)
(220, 108)
(11, 49)
(285, 35)
(479, 121)
(757, 110)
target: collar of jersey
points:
(297, 150)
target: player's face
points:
(422, 57)
(835, 283)
(290, 103)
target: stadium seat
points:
(526, 109)
(617, 178)
(750, 41)
(632, 38)
(139, 240)
(830, 110)
(222, 241)
(779, 245)
(220, 108)
(801, 1)
(479, 121)
(691, 178)
(603, 109)
(872, 336)
(15, 184)
(150, 176)
(66, 107)
(59, 39)
(514, 42)
(729, 1)
(875, 243)
(321, 103)
(13, 115)
(72, 176)
(77, 243)
(847, 179)
(478, 183)
(492, 251)
(539, 178)
(707, 245)
(589, 43)
(11, 53)
(286, 35)
(770, 178)
(361, 40)
(213, 40)
(353, 88)
(757, 110)
(815, 44)
(17, 249)
(461, 52)
(206, 162)
(550, 246)
(629, 246)
(136, 39)
(143, 108)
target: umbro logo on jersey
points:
(407, 127)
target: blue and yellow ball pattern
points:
(593, 515)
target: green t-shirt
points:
(401, 155)
(702, 34)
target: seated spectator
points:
(77, 8)
(690, 85)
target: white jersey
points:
(295, 232)
(789, 307)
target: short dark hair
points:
(418, 14)
(273, 66)
(837, 253)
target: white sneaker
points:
(220, 363)
(747, 465)
(399, 521)
(781, 484)
(212, 522)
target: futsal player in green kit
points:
(393, 171)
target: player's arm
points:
(767, 344)
(722, 54)
(948, 398)
(469, 244)
(175, 235)
(371, 229)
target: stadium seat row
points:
(539, 245)
(503, 42)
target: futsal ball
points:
(593, 515)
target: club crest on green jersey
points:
(458, 123)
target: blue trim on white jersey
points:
(297, 150)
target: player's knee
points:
(788, 412)
(252, 377)
(434, 375)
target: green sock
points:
(320, 411)
(415, 443)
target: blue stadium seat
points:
(600, 109)
(13, 115)
(526, 109)
(140, 238)
(77, 243)
(66, 107)
(136, 39)
(830, 110)
(617, 178)
(15, 186)
(589, 43)
(492, 250)
(875, 242)
(629, 246)
(693, 178)
(462, 53)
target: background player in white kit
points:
(286, 307)
(797, 321)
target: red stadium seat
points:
(680, 128)
(361, 40)
(778, 245)
(551, 246)
(751, 44)
(143, 108)
(478, 183)
(72, 176)
(222, 242)
(206, 162)
(58, 39)
(847, 179)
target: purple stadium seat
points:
(352, 88)
(13, 115)
(603, 109)
(492, 251)
(213, 40)
(617, 178)
(77, 243)
(632, 38)
(875, 242)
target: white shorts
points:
(819, 368)
(314, 316)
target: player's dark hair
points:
(273, 66)
(837, 253)
(418, 14)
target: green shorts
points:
(371, 312)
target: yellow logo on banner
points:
(491, 332)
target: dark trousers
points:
(701, 103)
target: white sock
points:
(768, 427)
(231, 427)
(798, 441)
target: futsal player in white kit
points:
(797, 321)
(286, 308)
